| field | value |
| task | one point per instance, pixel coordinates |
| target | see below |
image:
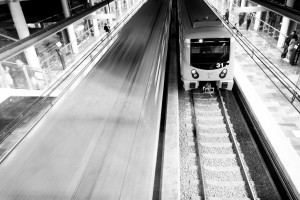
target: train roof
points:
(200, 21)
(200, 14)
(208, 32)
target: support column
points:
(126, 5)
(243, 3)
(230, 5)
(107, 11)
(119, 6)
(114, 5)
(222, 5)
(111, 7)
(257, 20)
(23, 32)
(70, 28)
(217, 3)
(283, 30)
(285, 25)
(94, 21)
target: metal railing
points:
(264, 28)
(22, 76)
(270, 31)
(290, 90)
(47, 99)
(52, 59)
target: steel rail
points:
(230, 131)
(194, 120)
(235, 146)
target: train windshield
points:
(210, 54)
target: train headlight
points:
(200, 41)
(223, 73)
(195, 74)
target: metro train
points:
(104, 130)
(206, 48)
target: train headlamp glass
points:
(194, 74)
(200, 40)
(223, 73)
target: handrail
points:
(278, 72)
(269, 27)
(287, 83)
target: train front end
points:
(208, 60)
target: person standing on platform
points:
(241, 19)
(287, 43)
(106, 28)
(291, 46)
(227, 15)
(249, 18)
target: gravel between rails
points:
(221, 182)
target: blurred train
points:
(206, 48)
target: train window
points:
(195, 50)
(209, 54)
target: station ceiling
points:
(37, 10)
(278, 7)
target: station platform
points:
(285, 115)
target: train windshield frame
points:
(209, 54)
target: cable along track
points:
(213, 166)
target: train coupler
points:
(208, 89)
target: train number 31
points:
(220, 65)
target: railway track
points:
(212, 165)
